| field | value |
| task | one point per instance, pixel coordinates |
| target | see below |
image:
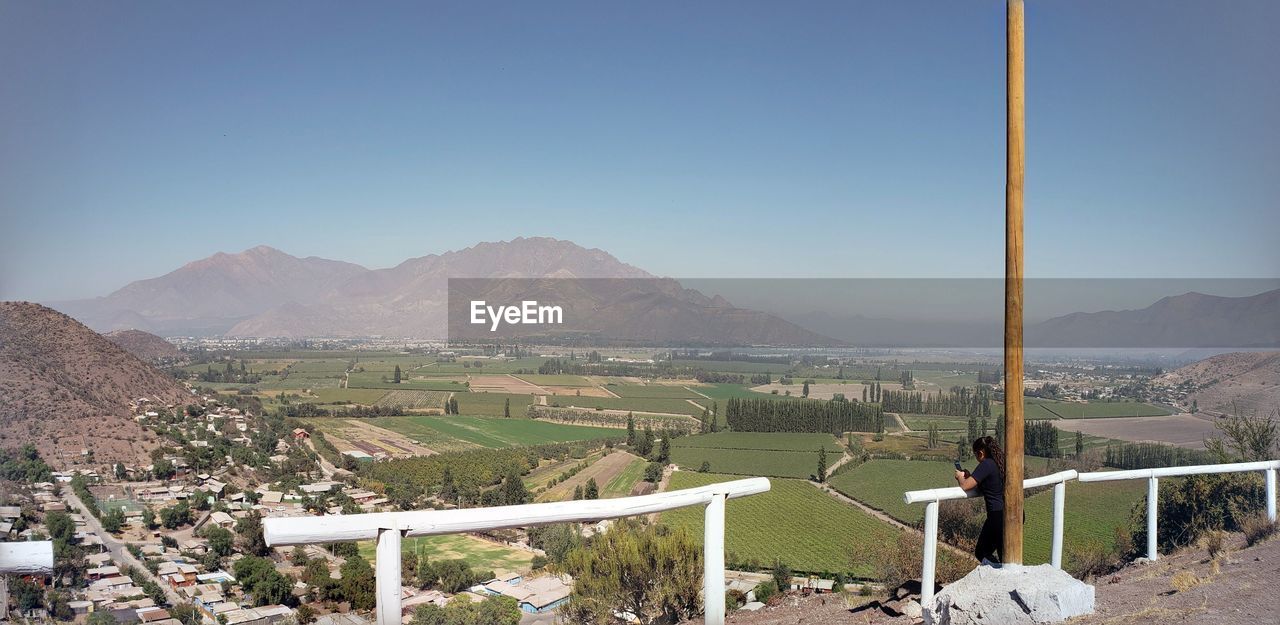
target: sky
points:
(709, 139)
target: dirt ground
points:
(583, 391)
(603, 470)
(1241, 591)
(347, 434)
(504, 384)
(1183, 430)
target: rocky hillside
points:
(66, 388)
(1247, 381)
(1187, 320)
(146, 346)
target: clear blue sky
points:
(734, 139)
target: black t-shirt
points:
(990, 484)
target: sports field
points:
(794, 522)
(481, 554)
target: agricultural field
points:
(413, 400)
(881, 483)
(819, 390)
(794, 522)
(452, 432)
(1182, 430)
(1093, 512)
(481, 554)
(603, 471)
(385, 380)
(732, 366)
(366, 436)
(549, 469)
(668, 405)
(504, 384)
(751, 462)
(776, 441)
(554, 380)
(1048, 409)
(622, 484)
(652, 390)
(341, 396)
(492, 404)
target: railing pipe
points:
(389, 528)
(1153, 496)
(1271, 495)
(930, 553)
(713, 562)
(1059, 510)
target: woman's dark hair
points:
(991, 448)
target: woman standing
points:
(988, 478)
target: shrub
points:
(1092, 559)
(766, 590)
(1257, 528)
(898, 562)
(1196, 505)
(1213, 543)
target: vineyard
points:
(768, 463)
(413, 400)
(780, 441)
(881, 483)
(612, 418)
(456, 432)
(794, 522)
(1092, 514)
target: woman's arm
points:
(966, 481)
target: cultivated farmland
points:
(413, 400)
(777, 441)
(448, 433)
(881, 483)
(751, 462)
(481, 554)
(603, 471)
(1093, 512)
(794, 522)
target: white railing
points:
(389, 527)
(1152, 476)
(1059, 482)
(933, 496)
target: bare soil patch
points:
(603, 470)
(1183, 430)
(349, 434)
(504, 384)
(582, 391)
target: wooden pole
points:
(1015, 147)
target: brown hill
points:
(146, 346)
(1187, 320)
(66, 388)
(268, 293)
(1245, 382)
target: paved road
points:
(119, 552)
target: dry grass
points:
(1257, 528)
(1184, 581)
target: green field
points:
(732, 366)
(492, 404)
(1092, 512)
(777, 441)
(794, 521)
(622, 483)
(652, 390)
(751, 462)
(362, 396)
(456, 432)
(881, 483)
(481, 554)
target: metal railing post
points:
(713, 561)
(1059, 508)
(1271, 494)
(930, 555)
(1153, 486)
(387, 563)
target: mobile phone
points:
(958, 468)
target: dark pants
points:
(991, 540)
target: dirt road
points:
(119, 552)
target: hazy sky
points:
(734, 139)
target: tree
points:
(455, 575)
(653, 472)
(316, 575)
(506, 408)
(822, 464)
(664, 450)
(577, 493)
(249, 529)
(103, 617)
(357, 584)
(705, 467)
(631, 430)
(149, 518)
(653, 574)
(1245, 439)
(222, 541)
(448, 491)
(1079, 444)
(781, 575)
(592, 491)
(804, 391)
(645, 445)
(120, 471)
(113, 520)
(299, 557)
(513, 490)
(396, 377)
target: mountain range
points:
(263, 292)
